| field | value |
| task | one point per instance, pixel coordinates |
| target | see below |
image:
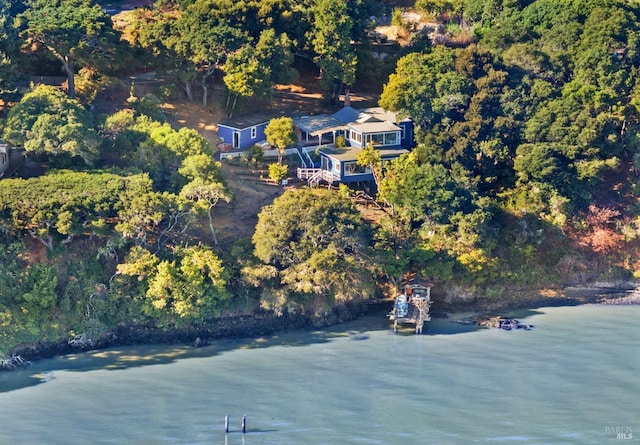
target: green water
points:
(573, 379)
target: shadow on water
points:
(120, 358)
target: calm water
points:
(571, 380)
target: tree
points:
(74, 31)
(200, 166)
(157, 34)
(423, 192)
(275, 50)
(184, 290)
(38, 291)
(190, 290)
(252, 16)
(8, 78)
(45, 121)
(247, 75)
(370, 157)
(280, 132)
(331, 39)
(8, 43)
(206, 40)
(316, 242)
(254, 69)
(584, 133)
(63, 203)
(277, 172)
(426, 87)
(540, 163)
(147, 217)
(438, 7)
(208, 194)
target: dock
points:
(412, 305)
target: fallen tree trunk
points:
(13, 362)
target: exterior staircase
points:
(314, 176)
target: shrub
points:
(278, 172)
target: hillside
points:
(522, 182)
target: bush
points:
(256, 154)
(278, 172)
(396, 18)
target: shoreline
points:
(256, 325)
(604, 294)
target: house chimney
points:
(347, 99)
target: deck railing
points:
(267, 154)
(313, 176)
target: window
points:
(391, 139)
(352, 168)
(378, 139)
(254, 132)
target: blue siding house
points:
(352, 123)
(375, 126)
(406, 125)
(342, 166)
(245, 131)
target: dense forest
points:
(525, 173)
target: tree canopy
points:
(76, 32)
(47, 122)
(313, 244)
(280, 133)
(330, 36)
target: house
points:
(406, 125)
(243, 132)
(318, 129)
(342, 166)
(359, 127)
(11, 159)
(4, 158)
(375, 126)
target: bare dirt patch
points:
(238, 219)
(182, 113)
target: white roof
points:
(375, 127)
(385, 115)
